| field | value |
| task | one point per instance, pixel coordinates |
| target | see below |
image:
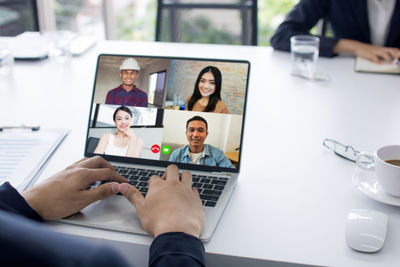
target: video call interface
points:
(168, 109)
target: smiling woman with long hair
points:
(124, 142)
(207, 92)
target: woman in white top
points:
(124, 142)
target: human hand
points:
(373, 53)
(377, 54)
(130, 133)
(170, 205)
(397, 59)
(65, 193)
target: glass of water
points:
(304, 51)
(60, 45)
(6, 60)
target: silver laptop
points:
(156, 105)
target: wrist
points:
(14, 201)
(168, 228)
(347, 46)
(33, 204)
(188, 232)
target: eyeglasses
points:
(346, 152)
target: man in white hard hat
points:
(127, 93)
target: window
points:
(102, 116)
(270, 14)
(156, 88)
(136, 19)
(80, 16)
(207, 21)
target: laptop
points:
(159, 124)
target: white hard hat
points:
(129, 64)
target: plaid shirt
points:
(119, 96)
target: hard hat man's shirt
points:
(119, 96)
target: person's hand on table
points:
(65, 192)
(397, 59)
(170, 205)
(376, 54)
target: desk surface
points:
(293, 195)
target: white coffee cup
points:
(387, 174)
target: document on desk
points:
(24, 152)
(364, 65)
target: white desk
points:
(293, 195)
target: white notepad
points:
(364, 65)
(24, 152)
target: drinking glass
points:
(304, 53)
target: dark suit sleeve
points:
(177, 249)
(12, 201)
(24, 242)
(299, 21)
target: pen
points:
(23, 127)
(395, 61)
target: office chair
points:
(92, 144)
(205, 21)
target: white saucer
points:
(367, 183)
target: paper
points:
(364, 65)
(23, 153)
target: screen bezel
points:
(160, 163)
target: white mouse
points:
(366, 230)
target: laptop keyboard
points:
(209, 187)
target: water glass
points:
(304, 53)
(60, 45)
(6, 60)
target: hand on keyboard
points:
(170, 205)
(64, 193)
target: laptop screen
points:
(161, 110)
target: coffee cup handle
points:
(369, 165)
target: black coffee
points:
(393, 161)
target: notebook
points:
(157, 105)
(364, 65)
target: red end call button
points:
(155, 149)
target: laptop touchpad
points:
(115, 213)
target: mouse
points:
(366, 230)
